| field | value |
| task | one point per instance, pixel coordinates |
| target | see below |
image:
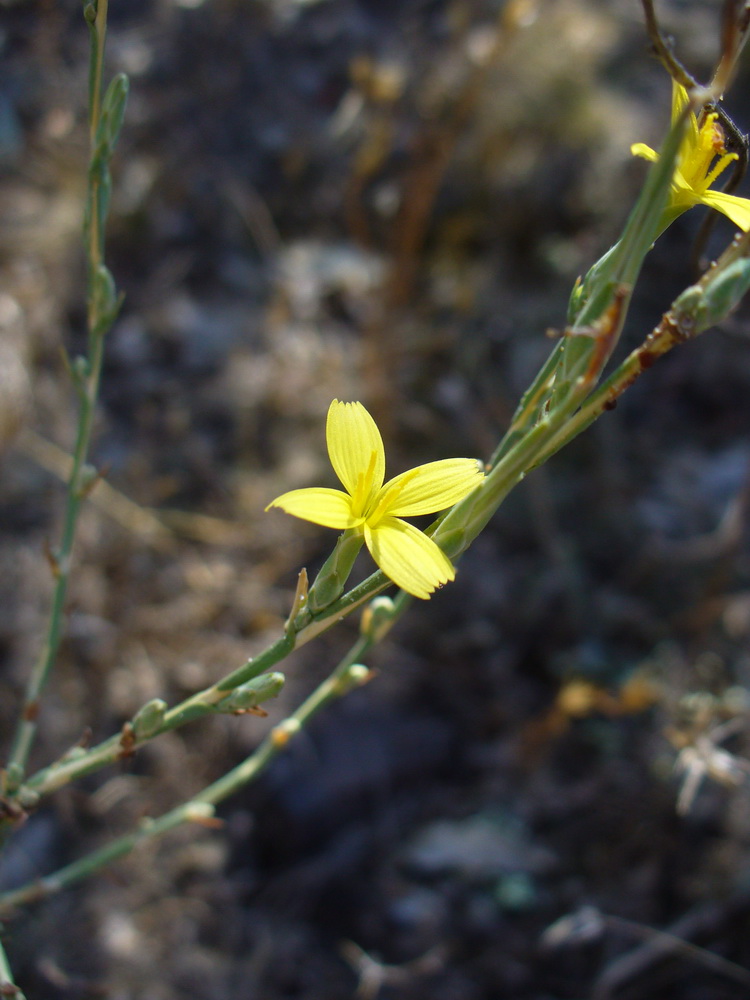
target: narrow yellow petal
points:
(353, 438)
(331, 508)
(644, 151)
(432, 487)
(680, 183)
(735, 208)
(405, 554)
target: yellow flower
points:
(700, 161)
(412, 560)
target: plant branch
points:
(105, 116)
(7, 987)
(349, 673)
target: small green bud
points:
(726, 290)
(284, 732)
(577, 298)
(89, 11)
(105, 294)
(704, 305)
(247, 697)
(689, 303)
(355, 676)
(330, 582)
(358, 674)
(80, 369)
(200, 812)
(113, 111)
(27, 798)
(12, 777)
(376, 618)
(149, 719)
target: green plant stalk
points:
(564, 382)
(454, 532)
(331, 580)
(86, 377)
(675, 327)
(347, 675)
(530, 405)
(471, 514)
(543, 423)
(7, 987)
(616, 273)
(95, 14)
(80, 762)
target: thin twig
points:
(659, 945)
(7, 987)
(86, 376)
(348, 674)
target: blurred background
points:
(383, 201)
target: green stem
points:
(95, 12)
(87, 376)
(7, 987)
(330, 582)
(531, 404)
(454, 532)
(81, 762)
(471, 514)
(200, 808)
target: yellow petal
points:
(644, 151)
(432, 487)
(353, 438)
(331, 508)
(405, 554)
(680, 184)
(735, 208)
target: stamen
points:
(720, 167)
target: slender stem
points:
(606, 396)
(80, 763)
(96, 14)
(531, 403)
(453, 532)
(7, 987)
(200, 809)
(87, 377)
(542, 441)
(470, 516)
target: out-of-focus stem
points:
(7, 987)
(87, 376)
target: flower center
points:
(388, 498)
(710, 145)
